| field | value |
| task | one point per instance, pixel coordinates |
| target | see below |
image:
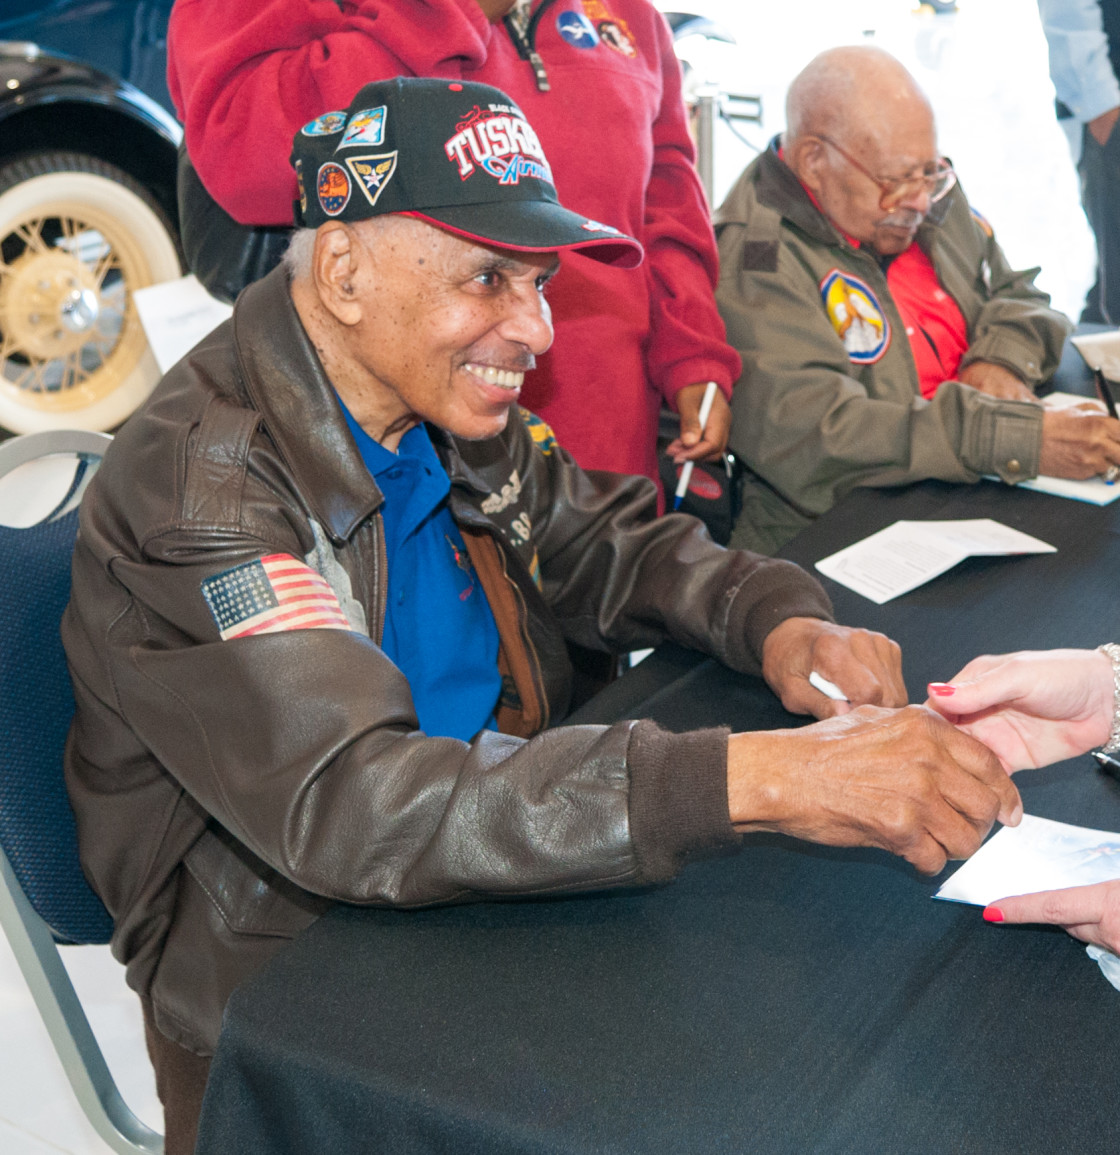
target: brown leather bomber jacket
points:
(228, 792)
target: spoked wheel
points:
(77, 238)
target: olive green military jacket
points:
(829, 398)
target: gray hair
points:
(301, 248)
(297, 256)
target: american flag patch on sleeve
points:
(268, 596)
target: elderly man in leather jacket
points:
(325, 579)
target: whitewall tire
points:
(77, 238)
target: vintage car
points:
(87, 206)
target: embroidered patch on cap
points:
(598, 227)
(505, 146)
(333, 187)
(373, 172)
(276, 593)
(326, 125)
(577, 30)
(856, 315)
(365, 127)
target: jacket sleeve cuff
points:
(1006, 439)
(678, 797)
(771, 594)
(696, 372)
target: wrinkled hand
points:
(1031, 709)
(494, 10)
(1090, 913)
(1101, 126)
(996, 381)
(902, 780)
(690, 446)
(1078, 443)
(867, 666)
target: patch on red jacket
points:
(577, 30)
(613, 31)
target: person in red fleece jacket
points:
(599, 81)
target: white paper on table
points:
(1038, 854)
(1094, 490)
(176, 316)
(1100, 351)
(983, 537)
(1060, 400)
(908, 554)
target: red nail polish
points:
(993, 914)
(941, 689)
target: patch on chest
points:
(612, 30)
(856, 315)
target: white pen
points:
(686, 472)
(829, 689)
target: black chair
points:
(44, 896)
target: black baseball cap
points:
(459, 155)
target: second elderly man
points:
(885, 339)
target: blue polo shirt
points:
(439, 628)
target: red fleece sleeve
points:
(687, 336)
(244, 78)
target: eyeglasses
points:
(937, 180)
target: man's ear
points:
(807, 156)
(334, 268)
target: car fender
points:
(31, 79)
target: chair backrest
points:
(37, 830)
(44, 897)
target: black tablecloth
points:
(787, 998)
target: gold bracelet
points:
(1112, 652)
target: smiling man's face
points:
(448, 329)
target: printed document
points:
(909, 553)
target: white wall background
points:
(985, 71)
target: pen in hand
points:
(1107, 764)
(686, 472)
(1104, 392)
(829, 689)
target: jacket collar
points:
(286, 383)
(778, 188)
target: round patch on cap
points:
(577, 30)
(333, 187)
(326, 125)
(856, 315)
